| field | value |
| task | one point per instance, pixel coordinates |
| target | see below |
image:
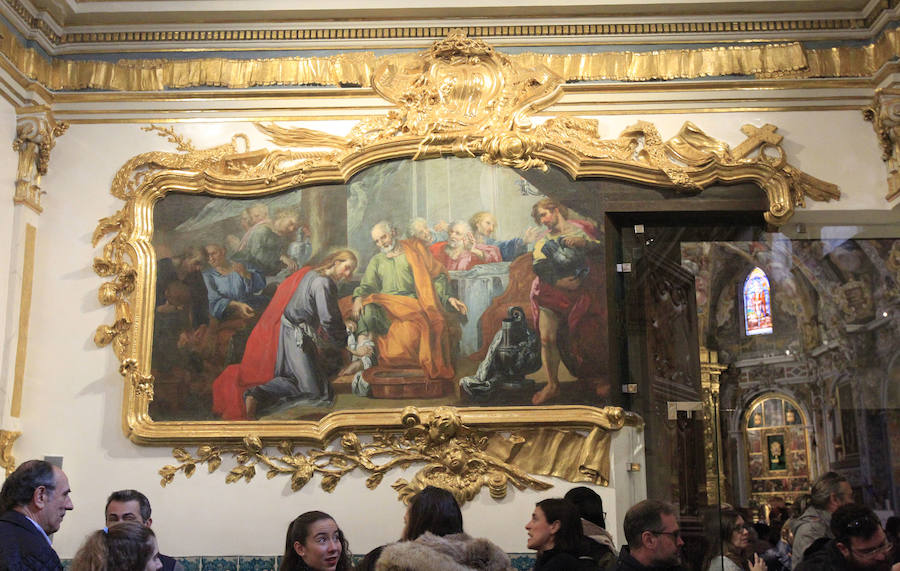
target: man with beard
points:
(461, 252)
(859, 543)
(653, 536)
(400, 303)
(484, 224)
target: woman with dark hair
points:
(314, 542)
(433, 539)
(555, 532)
(128, 546)
(598, 543)
(730, 546)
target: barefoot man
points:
(565, 300)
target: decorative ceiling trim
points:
(866, 24)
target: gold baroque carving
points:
(7, 460)
(463, 98)
(782, 60)
(35, 137)
(884, 114)
(456, 458)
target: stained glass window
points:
(757, 304)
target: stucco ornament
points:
(457, 458)
(35, 137)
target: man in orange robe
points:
(400, 303)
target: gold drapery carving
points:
(774, 60)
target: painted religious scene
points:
(443, 281)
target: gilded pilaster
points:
(710, 371)
(885, 117)
(35, 137)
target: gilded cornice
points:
(778, 61)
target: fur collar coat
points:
(456, 552)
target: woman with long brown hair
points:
(314, 542)
(730, 546)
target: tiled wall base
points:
(520, 561)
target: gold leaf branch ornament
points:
(456, 458)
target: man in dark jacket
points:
(131, 505)
(653, 536)
(859, 543)
(33, 501)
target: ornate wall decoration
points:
(856, 302)
(885, 117)
(759, 61)
(35, 137)
(456, 457)
(459, 98)
(7, 460)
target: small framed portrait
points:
(776, 453)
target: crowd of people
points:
(567, 533)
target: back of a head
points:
(433, 510)
(644, 516)
(19, 487)
(853, 520)
(570, 534)
(827, 484)
(127, 546)
(589, 504)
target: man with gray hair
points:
(33, 501)
(404, 285)
(829, 492)
(461, 252)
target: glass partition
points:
(759, 362)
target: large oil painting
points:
(438, 282)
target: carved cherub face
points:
(443, 424)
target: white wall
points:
(73, 392)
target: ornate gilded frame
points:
(460, 98)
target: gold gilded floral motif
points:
(456, 458)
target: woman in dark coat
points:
(556, 533)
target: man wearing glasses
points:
(653, 536)
(859, 543)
